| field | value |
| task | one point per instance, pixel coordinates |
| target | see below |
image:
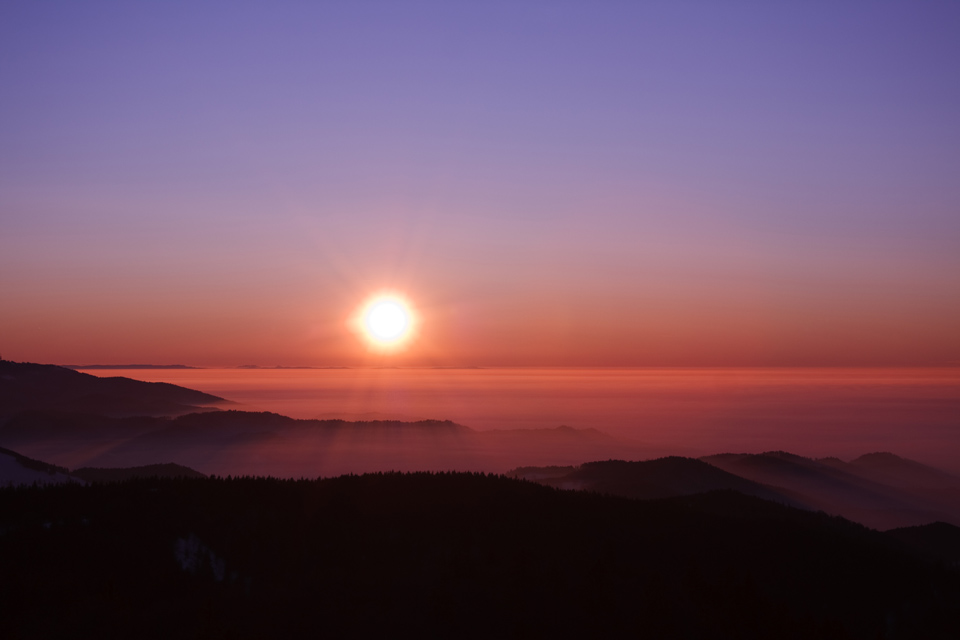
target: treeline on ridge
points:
(455, 554)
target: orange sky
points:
(567, 318)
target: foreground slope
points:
(453, 555)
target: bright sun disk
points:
(387, 320)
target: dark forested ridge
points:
(648, 479)
(453, 555)
(880, 490)
(168, 470)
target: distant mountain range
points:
(261, 443)
(650, 479)
(128, 366)
(75, 420)
(880, 490)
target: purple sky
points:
(551, 183)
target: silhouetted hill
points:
(30, 463)
(168, 470)
(660, 478)
(16, 469)
(894, 471)
(881, 490)
(449, 555)
(537, 474)
(40, 387)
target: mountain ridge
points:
(30, 387)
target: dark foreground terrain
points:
(449, 555)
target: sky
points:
(547, 183)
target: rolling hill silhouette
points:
(881, 490)
(261, 443)
(649, 479)
(19, 470)
(41, 387)
(16, 469)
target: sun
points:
(386, 322)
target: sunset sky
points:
(547, 183)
